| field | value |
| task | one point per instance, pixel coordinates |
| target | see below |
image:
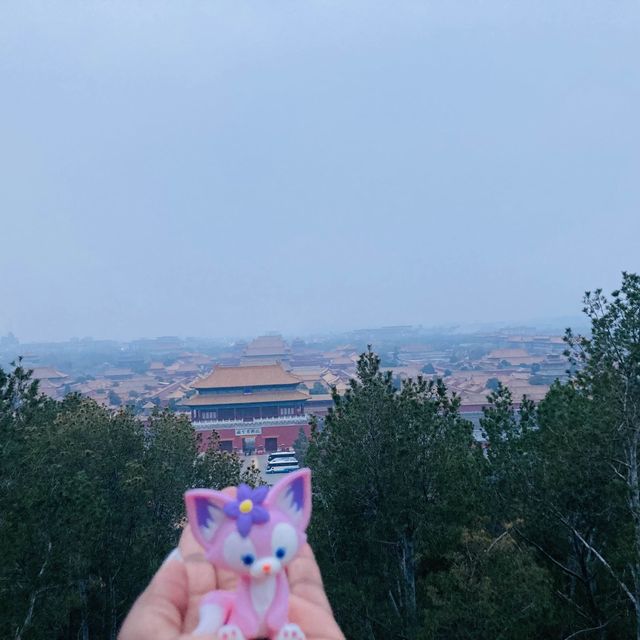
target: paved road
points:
(261, 462)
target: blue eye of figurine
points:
(280, 552)
(248, 559)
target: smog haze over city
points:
(320, 319)
(229, 168)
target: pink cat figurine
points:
(256, 535)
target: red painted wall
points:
(286, 436)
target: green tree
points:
(91, 503)
(23, 412)
(391, 359)
(300, 446)
(562, 477)
(546, 476)
(394, 472)
(318, 389)
(608, 372)
(493, 589)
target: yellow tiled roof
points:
(247, 376)
(217, 399)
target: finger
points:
(305, 579)
(192, 551)
(203, 578)
(314, 620)
(189, 545)
(202, 575)
(159, 611)
(190, 636)
(308, 603)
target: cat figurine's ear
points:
(205, 513)
(292, 495)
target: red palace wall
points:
(286, 435)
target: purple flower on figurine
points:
(247, 508)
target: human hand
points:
(169, 608)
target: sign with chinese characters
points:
(249, 431)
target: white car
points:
(279, 455)
(283, 465)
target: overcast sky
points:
(224, 168)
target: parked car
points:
(277, 455)
(283, 465)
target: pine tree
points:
(91, 502)
(393, 478)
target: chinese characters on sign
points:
(249, 431)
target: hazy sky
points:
(215, 168)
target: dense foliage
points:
(90, 504)
(421, 532)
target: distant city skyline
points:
(287, 378)
(548, 326)
(220, 169)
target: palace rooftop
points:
(251, 407)
(267, 375)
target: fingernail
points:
(174, 555)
